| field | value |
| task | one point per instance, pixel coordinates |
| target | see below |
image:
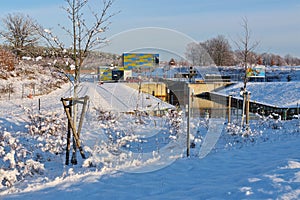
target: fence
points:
(25, 90)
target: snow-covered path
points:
(119, 97)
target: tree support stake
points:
(68, 103)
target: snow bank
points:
(280, 94)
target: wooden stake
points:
(69, 108)
(247, 109)
(74, 159)
(76, 138)
(243, 109)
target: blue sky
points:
(274, 23)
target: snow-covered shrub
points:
(49, 128)
(266, 129)
(236, 136)
(33, 167)
(20, 159)
(126, 135)
(13, 159)
(11, 151)
(107, 121)
(174, 120)
(8, 177)
(105, 116)
(233, 129)
(272, 121)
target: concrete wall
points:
(157, 89)
(206, 87)
(178, 92)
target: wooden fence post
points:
(247, 109)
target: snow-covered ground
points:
(280, 94)
(265, 171)
(141, 156)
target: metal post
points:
(237, 110)
(229, 109)
(193, 93)
(188, 124)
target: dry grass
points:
(7, 60)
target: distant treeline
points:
(201, 54)
(218, 51)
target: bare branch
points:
(85, 34)
(246, 47)
(19, 31)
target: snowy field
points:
(142, 156)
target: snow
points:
(223, 175)
(47, 31)
(72, 67)
(122, 98)
(142, 156)
(280, 94)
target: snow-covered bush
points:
(8, 177)
(15, 160)
(33, 167)
(265, 129)
(126, 135)
(49, 128)
(174, 120)
(18, 159)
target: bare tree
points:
(19, 32)
(278, 60)
(197, 54)
(193, 53)
(85, 34)
(288, 59)
(272, 59)
(220, 51)
(245, 47)
(86, 29)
